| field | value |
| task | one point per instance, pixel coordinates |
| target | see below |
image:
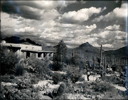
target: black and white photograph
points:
(64, 50)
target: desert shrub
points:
(19, 68)
(76, 60)
(75, 77)
(56, 66)
(34, 80)
(114, 79)
(5, 78)
(57, 78)
(12, 77)
(73, 73)
(23, 85)
(5, 93)
(60, 90)
(81, 79)
(39, 67)
(22, 90)
(13, 93)
(114, 67)
(24, 81)
(58, 93)
(62, 97)
(7, 62)
(114, 94)
(102, 87)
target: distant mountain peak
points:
(87, 47)
(85, 44)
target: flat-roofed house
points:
(26, 50)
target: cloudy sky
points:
(76, 22)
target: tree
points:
(59, 57)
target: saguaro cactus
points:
(101, 55)
(101, 62)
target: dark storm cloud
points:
(27, 3)
(21, 9)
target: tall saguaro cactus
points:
(101, 62)
(101, 55)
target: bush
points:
(61, 90)
(114, 79)
(57, 94)
(73, 73)
(76, 60)
(39, 67)
(57, 78)
(5, 78)
(23, 85)
(12, 93)
(19, 68)
(75, 77)
(57, 66)
(114, 94)
(102, 87)
(7, 62)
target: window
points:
(27, 54)
(39, 54)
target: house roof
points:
(35, 51)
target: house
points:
(27, 50)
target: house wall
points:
(30, 47)
(23, 50)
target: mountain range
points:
(84, 51)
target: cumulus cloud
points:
(115, 14)
(80, 15)
(90, 28)
(111, 36)
(104, 34)
(51, 4)
(49, 14)
(7, 20)
(70, 33)
(25, 29)
(121, 12)
(44, 20)
(108, 45)
(84, 29)
(8, 24)
(113, 27)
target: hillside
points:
(84, 52)
(16, 39)
(122, 52)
